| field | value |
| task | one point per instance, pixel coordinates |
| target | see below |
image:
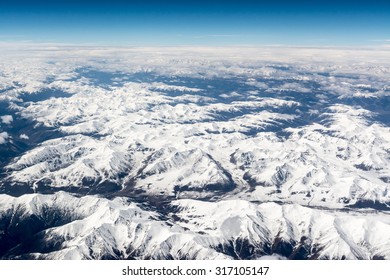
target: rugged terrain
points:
(195, 153)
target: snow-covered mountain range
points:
(62, 226)
(195, 153)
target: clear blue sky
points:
(196, 22)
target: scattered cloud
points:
(7, 119)
(3, 137)
(24, 136)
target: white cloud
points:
(294, 87)
(3, 137)
(7, 119)
(24, 136)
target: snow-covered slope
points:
(342, 159)
(290, 230)
(203, 149)
(62, 226)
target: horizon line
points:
(28, 43)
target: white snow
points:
(182, 136)
(119, 229)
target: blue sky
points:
(199, 22)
